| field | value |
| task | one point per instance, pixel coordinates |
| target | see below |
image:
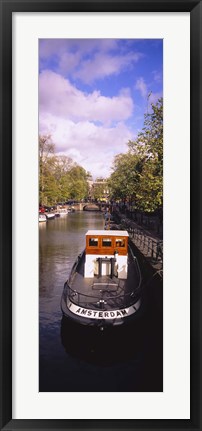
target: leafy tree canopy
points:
(60, 178)
(138, 174)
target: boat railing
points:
(138, 267)
(102, 301)
(104, 298)
(77, 262)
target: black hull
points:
(100, 322)
(115, 303)
(113, 344)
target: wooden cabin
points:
(106, 253)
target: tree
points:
(124, 179)
(63, 165)
(46, 150)
(149, 147)
(60, 178)
(138, 174)
(78, 184)
(98, 191)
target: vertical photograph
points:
(100, 215)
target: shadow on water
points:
(101, 347)
(135, 349)
(126, 358)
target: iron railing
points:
(150, 247)
(102, 302)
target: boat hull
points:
(98, 317)
(50, 216)
(102, 301)
(42, 218)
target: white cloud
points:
(68, 62)
(88, 126)
(91, 146)
(60, 98)
(89, 59)
(102, 65)
(142, 87)
(57, 47)
(154, 97)
(151, 96)
(157, 75)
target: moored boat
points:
(42, 217)
(50, 216)
(63, 212)
(104, 287)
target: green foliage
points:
(60, 178)
(78, 185)
(125, 176)
(98, 191)
(138, 174)
(46, 162)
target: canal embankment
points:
(149, 243)
(148, 247)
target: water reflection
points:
(59, 244)
(72, 358)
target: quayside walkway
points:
(148, 242)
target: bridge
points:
(90, 206)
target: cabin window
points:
(120, 242)
(106, 242)
(93, 242)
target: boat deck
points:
(107, 292)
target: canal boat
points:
(105, 283)
(42, 217)
(63, 212)
(50, 216)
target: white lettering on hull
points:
(99, 314)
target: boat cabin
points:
(106, 253)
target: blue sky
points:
(93, 94)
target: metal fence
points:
(149, 246)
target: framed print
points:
(79, 80)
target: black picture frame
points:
(7, 8)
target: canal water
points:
(75, 359)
